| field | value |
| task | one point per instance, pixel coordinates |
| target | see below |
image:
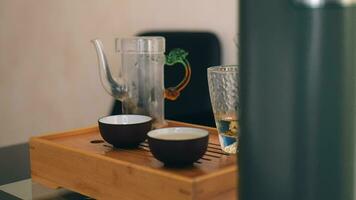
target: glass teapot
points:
(139, 83)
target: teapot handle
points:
(178, 56)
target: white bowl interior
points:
(178, 133)
(125, 119)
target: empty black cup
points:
(125, 131)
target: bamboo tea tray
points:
(78, 160)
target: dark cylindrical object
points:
(297, 100)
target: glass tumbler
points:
(224, 95)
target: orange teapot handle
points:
(174, 57)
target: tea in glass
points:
(223, 89)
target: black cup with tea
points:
(178, 146)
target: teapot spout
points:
(115, 88)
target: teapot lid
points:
(141, 45)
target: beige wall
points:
(48, 75)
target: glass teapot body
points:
(143, 74)
(139, 80)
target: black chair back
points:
(193, 105)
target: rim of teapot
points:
(141, 44)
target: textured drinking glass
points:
(223, 88)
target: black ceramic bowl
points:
(178, 146)
(125, 131)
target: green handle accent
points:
(176, 56)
